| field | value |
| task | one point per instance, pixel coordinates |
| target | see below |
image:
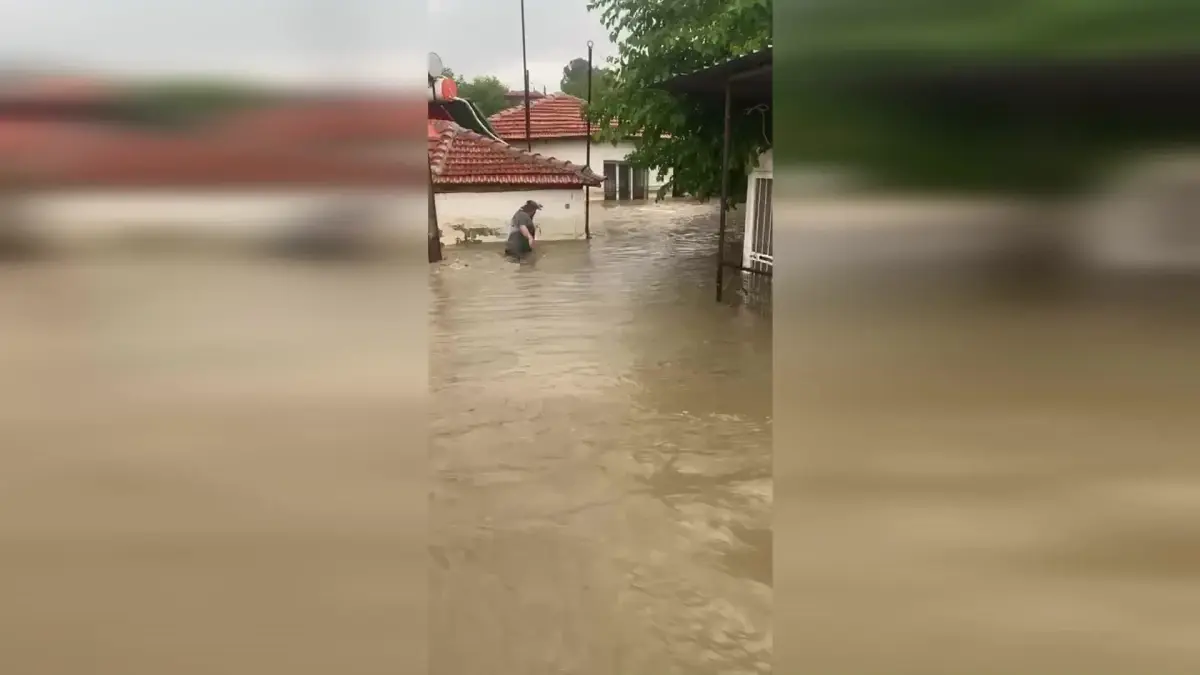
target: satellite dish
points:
(435, 65)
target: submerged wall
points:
(86, 215)
(485, 216)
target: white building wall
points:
(86, 214)
(488, 214)
(575, 151)
(766, 161)
(1146, 217)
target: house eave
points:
(581, 137)
(449, 188)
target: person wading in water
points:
(521, 231)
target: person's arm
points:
(525, 224)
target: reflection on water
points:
(600, 457)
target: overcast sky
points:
(483, 37)
(379, 41)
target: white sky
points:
(368, 41)
(482, 37)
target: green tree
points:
(574, 79)
(180, 103)
(657, 40)
(486, 92)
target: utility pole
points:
(525, 68)
(587, 163)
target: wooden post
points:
(435, 233)
(724, 190)
(528, 135)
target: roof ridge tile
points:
(533, 103)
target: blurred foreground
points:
(985, 437)
(201, 470)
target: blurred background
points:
(211, 251)
(986, 336)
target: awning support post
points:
(435, 231)
(724, 191)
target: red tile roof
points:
(557, 116)
(464, 159)
(330, 121)
(519, 95)
(57, 90)
(56, 155)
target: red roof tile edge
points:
(41, 155)
(519, 111)
(503, 115)
(444, 133)
(533, 101)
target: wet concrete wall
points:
(485, 216)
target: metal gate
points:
(760, 231)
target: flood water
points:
(213, 461)
(206, 466)
(601, 458)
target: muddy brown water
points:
(600, 457)
(204, 466)
(210, 462)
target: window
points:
(623, 181)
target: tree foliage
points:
(575, 79)
(182, 103)
(1027, 133)
(657, 40)
(487, 92)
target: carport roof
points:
(749, 76)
